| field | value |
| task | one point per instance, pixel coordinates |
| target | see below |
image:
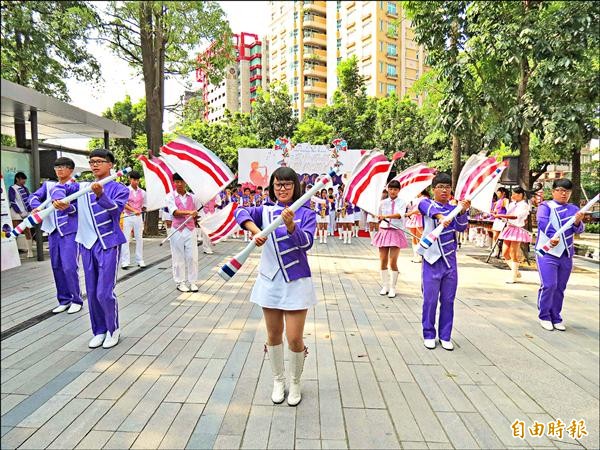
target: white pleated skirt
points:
(278, 294)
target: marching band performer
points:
(209, 208)
(556, 265)
(440, 277)
(100, 239)
(346, 220)
(390, 239)
(184, 248)
(61, 227)
(133, 221)
(284, 287)
(498, 208)
(414, 223)
(322, 210)
(18, 196)
(514, 233)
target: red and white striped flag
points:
(201, 169)
(477, 170)
(159, 181)
(221, 224)
(368, 179)
(414, 180)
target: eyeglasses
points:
(562, 190)
(61, 167)
(443, 187)
(286, 186)
(97, 162)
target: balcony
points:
(315, 6)
(392, 55)
(310, 102)
(315, 54)
(316, 22)
(393, 14)
(318, 71)
(315, 38)
(393, 76)
(315, 87)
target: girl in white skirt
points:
(284, 287)
(390, 239)
(322, 210)
(514, 233)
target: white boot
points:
(349, 237)
(385, 279)
(296, 368)
(514, 270)
(371, 234)
(416, 258)
(324, 236)
(345, 233)
(341, 233)
(277, 369)
(393, 279)
(29, 243)
(320, 236)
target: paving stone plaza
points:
(190, 372)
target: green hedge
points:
(592, 227)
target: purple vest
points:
(429, 208)
(564, 212)
(290, 248)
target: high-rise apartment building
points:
(298, 51)
(309, 38)
(239, 88)
(380, 36)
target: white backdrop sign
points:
(255, 165)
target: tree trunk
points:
(576, 175)
(456, 163)
(524, 134)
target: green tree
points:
(45, 42)
(441, 27)
(401, 127)
(528, 53)
(272, 114)
(352, 114)
(161, 39)
(134, 116)
(313, 131)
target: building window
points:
(391, 70)
(380, 25)
(381, 87)
(381, 68)
(339, 43)
(339, 24)
(391, 88)
(391, 8)
(296, 97)
(381, 46)
(392, 50)
(339, 60)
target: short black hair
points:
(64, 161)
(394, 184)
(564, 183)
(135, 175)
(103, 153)
(20, 176)
(285, 174)
(520, 190)
(177, 177)
(441, 178)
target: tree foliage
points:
(134, 116)
(272, 114)
(313, 131)
(45, 42)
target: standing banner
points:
(255, 165)
(9, 250)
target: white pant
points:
(184, 251)
(137, 224)
(207, 245)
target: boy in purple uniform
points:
(440, 277)
(555, 266)
(100, 239)
(61, 227)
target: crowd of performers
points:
(90, 228)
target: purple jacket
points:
(106, 212)
(23, 193)
(565, 212)
(290, 248)
(66, 221)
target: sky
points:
(119, 79)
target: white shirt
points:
(388, 207)
(519, 209)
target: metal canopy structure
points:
(56, 119)
(50, 118)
